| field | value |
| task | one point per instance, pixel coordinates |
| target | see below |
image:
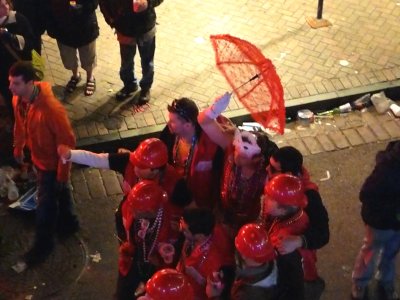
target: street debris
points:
(344, 63)
(358, 104)
(305, 117)
(395, 109)
(29, 297)
(328, 176)
(381, 102)
(95, 257)
(20, 267)
(199, 40)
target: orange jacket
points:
(45, 126)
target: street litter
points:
(358, 104)
(28, 297)
(95, 257)
(305, 117)
(20, 267)
(26, 202)
(328, 176)
(395, 109)
(344, 63)
(381, 102)
(346, 268)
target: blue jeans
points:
(379, 250)
(54, 213)
(127, 71)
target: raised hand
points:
(219, 105)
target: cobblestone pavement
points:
(363, 34)
(72, 271)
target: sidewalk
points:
(357, 54)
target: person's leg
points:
(146, 50)
(46, 218)
(127, 285)
(127, 72)
(290, 274)
(69, 58)
(87, 55)
(67, 223)
(386, 269)
(366, 260)
(309, 259)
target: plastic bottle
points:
(362, 102)
(332, 112)
(358, 104)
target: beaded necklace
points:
(279, 223)
(151, 236)
(188, 160)
(237, 191)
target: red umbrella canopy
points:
(253, 79)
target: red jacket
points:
(206, 260)
(42, 129)
(202, 180)
(294, 225)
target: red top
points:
(205, 259)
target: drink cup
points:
(167, 252)
(135, 5)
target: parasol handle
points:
(251, 79)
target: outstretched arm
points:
(96, 160)
(207, 120)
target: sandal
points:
(72, 83)
(90, 87)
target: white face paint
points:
(245, 143)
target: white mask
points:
(247, 148)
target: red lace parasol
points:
(253, 79)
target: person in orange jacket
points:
(149, 242)
(206, 249)
(41, 124)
